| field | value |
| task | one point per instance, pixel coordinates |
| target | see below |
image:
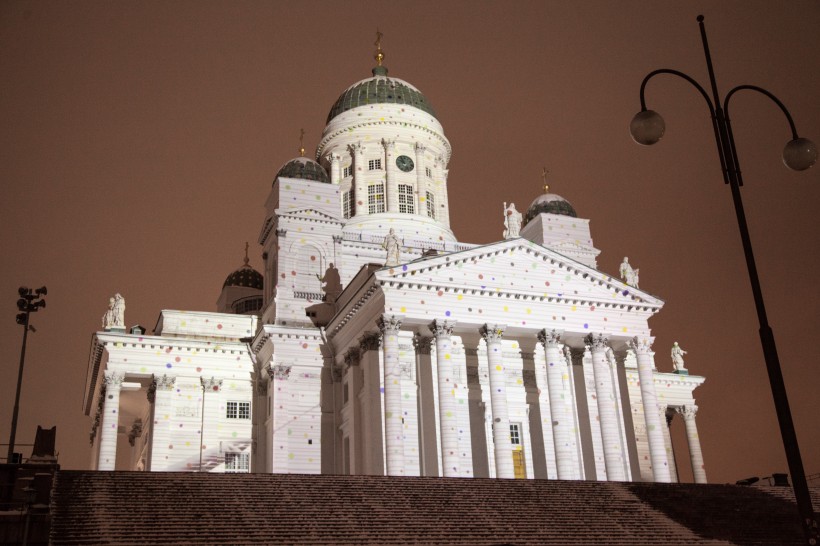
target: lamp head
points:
(21, 318)
(22, 291)
(800, 154)
(647, 127)
(22, 304)
(42, 291)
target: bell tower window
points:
(375, 198)
(406, 199)
(347, 204)
(374, 165)
(431, 205)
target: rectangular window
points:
(429, 172)
(347, 204)
(431, 205)
(238, 410)
(347, 171)
(375, 198)
(515, 434)
(237, 462)
(406, 205)
(374, 165)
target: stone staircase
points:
(186, 508)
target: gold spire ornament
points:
(544, 179)
(379, 55)
(301, 143)
(247, 260)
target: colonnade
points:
(555, 380)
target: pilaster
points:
(391, 197)
(211, 388)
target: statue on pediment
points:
(677, 358)
(629, 275)
(512, 221)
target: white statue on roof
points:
(393, 248)
(677, 357)
(119, 311)
(629, 275)
(108, 317)
(512, 221)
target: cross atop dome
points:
(379, 70)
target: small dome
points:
(380, 90)
(304, 169)
(245, 276)
(550, 203)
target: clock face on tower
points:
(404, 163)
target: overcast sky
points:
(139, 140)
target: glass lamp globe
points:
(647, 127)
(800, 154)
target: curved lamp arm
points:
(681, 75)
(768, 94)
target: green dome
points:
(380, 90)
(550, 203)
(304, 169)
(245, 276)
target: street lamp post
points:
(647, 128)
(30, 301)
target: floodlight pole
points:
(653, 127)
(16, 411)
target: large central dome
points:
(380, 90)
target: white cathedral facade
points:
(377, 343)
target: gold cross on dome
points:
(301, 142)
(246, 252)
(544, 179)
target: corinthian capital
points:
(371, 341)
(113, 379)
(352, 356)
(688, 412)
(492, 333)
(641, 345)
(442, 328)
(389, 324)
(388, 144)
(279, 371)
(422, 344)
(597, 342)
(420, 148)
(355, 148)
(164, 383)
(550, 338)
(332, 158)
(211, 384)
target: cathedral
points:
(375, 342)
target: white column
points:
(359, 189)
(421, 180)
(562, 422)
(110, 420)
(607, 410)
(393, 425)
(280, 399)
(692, 438)
(161, 447)
(391, 197)
(443, 330)
(502, 447)
(654, 426)
(210, 416)
(335, 166)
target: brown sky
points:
(139, 140)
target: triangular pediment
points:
(519, 268)
(307, 214)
